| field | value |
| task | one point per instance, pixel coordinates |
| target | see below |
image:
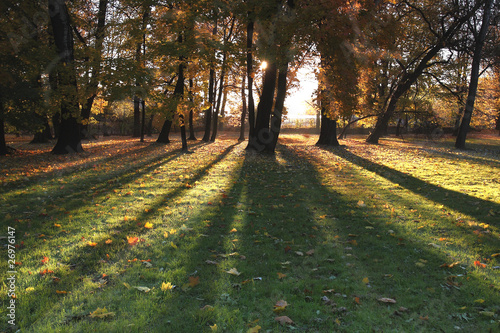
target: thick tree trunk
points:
(262, 136)
(474, 78)
(243, 109)
(328, 131)
(165, 132)
(44, 135)
(69, 137)
(278, 109)
(183, 132)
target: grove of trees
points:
(66, 65)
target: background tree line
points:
(65, 64)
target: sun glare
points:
(263, 65)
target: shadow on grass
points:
(273, 208)
(463, 203)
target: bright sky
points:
(296, 101)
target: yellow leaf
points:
(479, 300)
(255, 329)
(57, 225)
(92, 244)
(495, 255)
(233, 271)
(145, 289)
(101, 313)
(172, 231)
(234, 230)
(126, 285)
(165, 234)
(166, 286)
(281, 275)
(213, 328)
(148, 225)
(30, 289)
(366, 280)
(173, 245)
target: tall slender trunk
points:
(474, 77)
(211, 95)
(243, 109)
(191, 112)
(3, 144)
(69, 137)
(250, 74)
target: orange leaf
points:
(132, 240)
(108, 241)
(45, 260)
(281, 275)
(356, 299)
(194, 280)
(92, 244)
(61, 292)
(477, 263)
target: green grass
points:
(343, 227)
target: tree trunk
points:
(3, 144)
(250, 74)
(44, 135)
(243, 109)
(474, 78)
(137, 117)
(183, 132)
(328, 131)
(209, 111)
(149, 128)
(165, 132)
(69, 136)
(143, 120)
(262, 136)
(278, 109)
(191, 112)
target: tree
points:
(438, 24)
(69, 139)
(480, 38)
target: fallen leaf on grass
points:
(477, 263)
(284, 320)
(92, 244)
(280, 306)
(386, 300)
(148, 225)
(145, 289)
(310, 252)
(45, 260)
(108, 241)
(101, 313)
(449, 265)
(194, 281)
(281, 275)
(173, 245)
(234, 230)
(167, 286)
(255, 329)
(479, 301)
(233, 271)
(299, 253)
(211, 262)
(132, 240)
(366, 280)
(61, 292)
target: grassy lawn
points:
(137, 237)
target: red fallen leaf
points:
(132, 240)
(356, 299)
(46, 271)
(477, 263)
(45, 260)
(284, 320)
(288, 249)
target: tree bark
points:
(250, 75)
(262, 136)
(191, 112)
(3, 144)
(69, 137)
(474, 78)
(278, 109)
(328, 131)
(243, 110)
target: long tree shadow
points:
(273, 216)
(463, 203)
